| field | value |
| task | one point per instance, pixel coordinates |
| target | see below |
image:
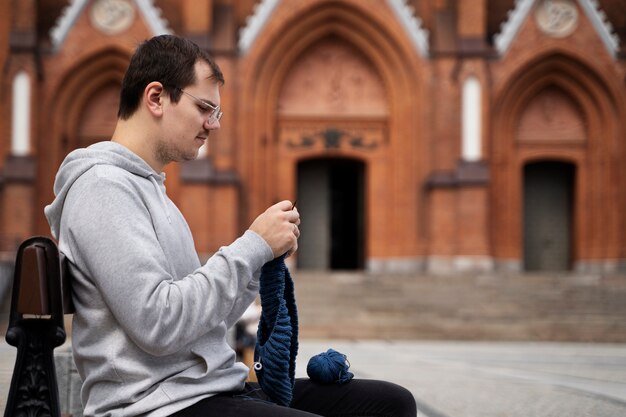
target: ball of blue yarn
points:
(329, 367)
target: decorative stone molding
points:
(202, 171)
(153, 16)
(66, 21)
(332, 138)
(19, 169)
(71, 13)
(395, 265)
(518, 14)
(599, 21)
(605, 266)
(508, 265)
(509, 29)
(254, 23)
(474, 173)
(404, 13)
(443, 265)
(23, 41)
(412, 24)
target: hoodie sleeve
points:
(111, 237)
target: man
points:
(149, 333)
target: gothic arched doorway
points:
(548, 215)
(330, 201)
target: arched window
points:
(20, 126)
(471, 120)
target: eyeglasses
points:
(215, 112)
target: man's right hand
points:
(278, 225)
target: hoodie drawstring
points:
(162, 197)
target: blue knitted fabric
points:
(277, 335)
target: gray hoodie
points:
(149, 333)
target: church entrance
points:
(548, 216)
(330, 201)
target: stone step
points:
(559, 307)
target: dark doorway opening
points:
(330, 200)
(548, 215)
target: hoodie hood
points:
(82, 160)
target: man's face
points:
(186, 124)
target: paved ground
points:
(476, 379)
(479, 379)
(7, 361)
(382, 322)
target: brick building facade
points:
(437, 135)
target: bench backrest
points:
(41, 295)
(41, 280)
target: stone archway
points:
(85, 88)
(274, 138)
(557, 108)
(332, 103)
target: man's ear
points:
(153, 98)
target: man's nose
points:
(209, 124)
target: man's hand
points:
(278, 225)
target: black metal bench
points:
(41, 296)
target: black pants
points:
(357, 398)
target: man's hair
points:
(167, 59)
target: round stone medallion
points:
(557, 18)
(112, 16)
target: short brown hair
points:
(167, 59)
